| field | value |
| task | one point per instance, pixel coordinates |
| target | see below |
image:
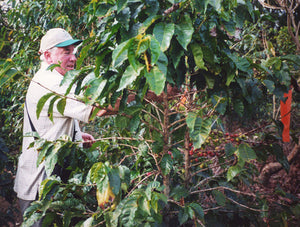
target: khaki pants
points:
(24, 204)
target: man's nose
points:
(73, 57)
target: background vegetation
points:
(203, 155)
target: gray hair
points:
(51, 50)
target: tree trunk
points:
(275, 167)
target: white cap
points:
(57, 37)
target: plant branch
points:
(242, 205)
(223, 188)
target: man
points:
(56, 47)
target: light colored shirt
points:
(29, 176)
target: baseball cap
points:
(57, 37)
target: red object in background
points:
(285, 110)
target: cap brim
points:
(69, 42)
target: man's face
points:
(65, 57)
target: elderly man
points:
(56, 47)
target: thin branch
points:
(178, 127)
(223, 188)
(114, 138)
(171, 9)
(176, 122)
(178, 142)
(242, 205)
(158, 120)
(151, 126)
(145, 178)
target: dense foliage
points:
(167, 159)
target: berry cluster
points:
(215, 145)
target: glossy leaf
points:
(199, 128)
(129, 76)
(163, 34)
(245, 153)
(166, 164)
(114, 181)
(132, 56)
(198, 209)
(184, 31)
(219, 197)
(52, 158)
(7, 72)
(198, 56)
(41, 103)
(233, 171)
(121, 4)
(61, 105)
(51, 106)
(119, 54)
(156, 80)
(94, 90)
(155, 50)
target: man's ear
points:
(47, 56)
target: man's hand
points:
(88, 140)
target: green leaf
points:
(98, 175)
(129, 76)
(184, 31)
(143, 45)
(199, 128)
(61, 105)
(41, 103)
(238, 107)
(51, 105)
(155, 50)
(210, 80)
(51, 158)
(198, 55)
(292, 58)
(94, 90)
(132, 57)
(7, 72)
(156, 80)
(230, 77)
(121, 122)
(215, 4)
(144, 205)
(47, 186)
(229, 149)
(166, 164)
(273, 61)
(162, 63)
(219, 197)
(183, 215)
(130, 208)
(245, 153)
(83, 54)
(119, 54)
(281, 157)
(45, 148)
(121, 5)
(198, 209)
(164, 33)
(32, 134)
(150, 187)
(178, 192)
(69, 77)
(270, 85)
(241, 63)
(147, 23)
(233, 171)
(114, 181)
